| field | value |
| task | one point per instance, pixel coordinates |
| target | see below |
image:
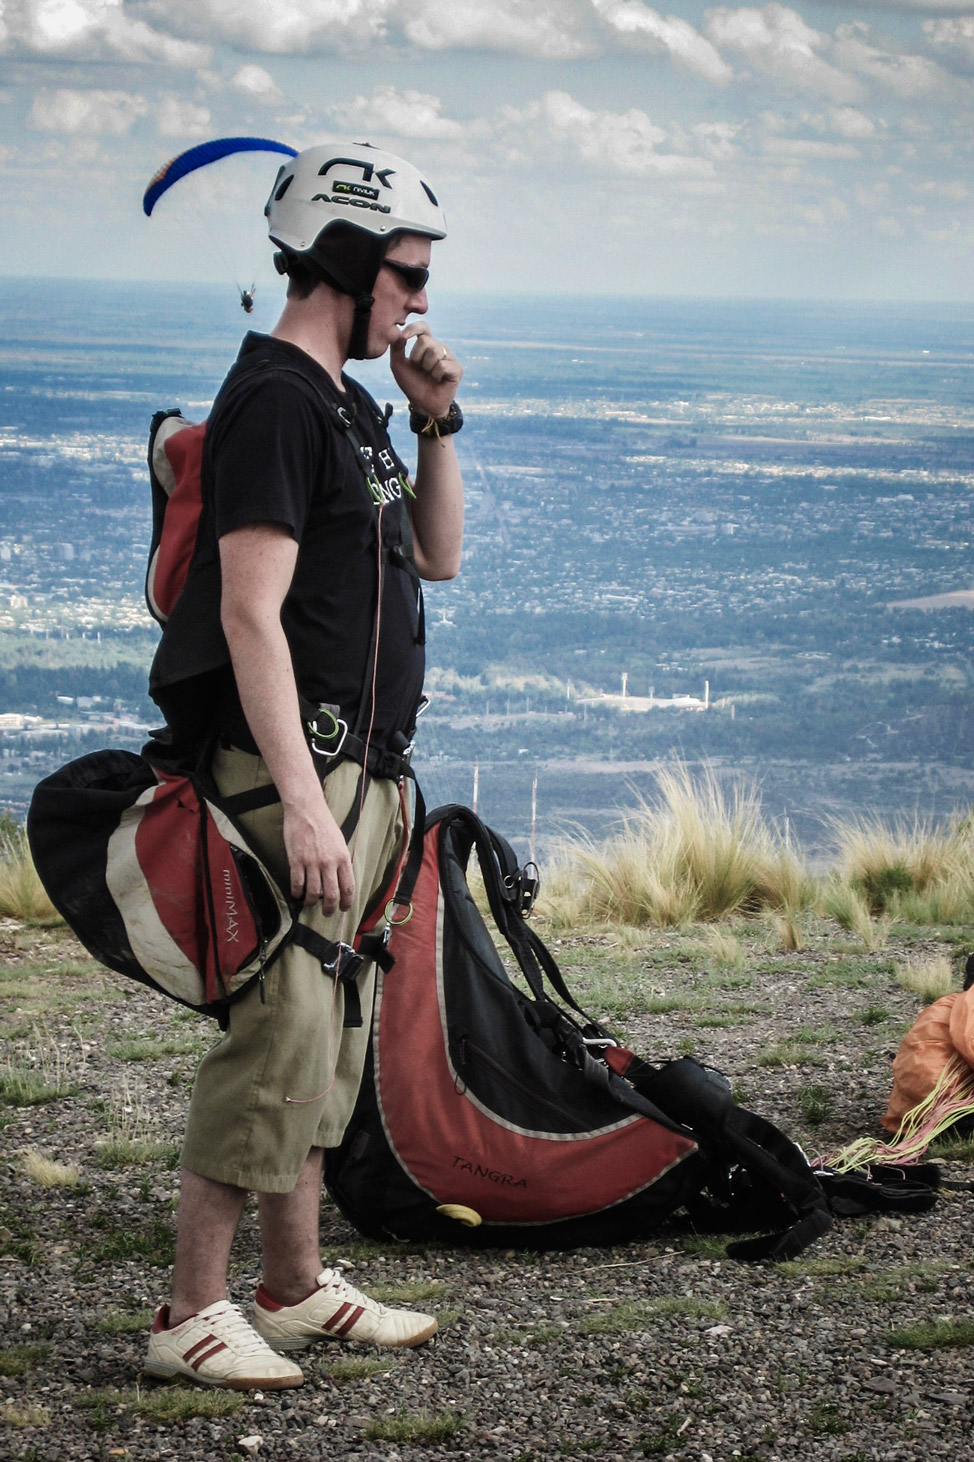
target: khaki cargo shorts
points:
(286, 1074)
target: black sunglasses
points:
(414, 275)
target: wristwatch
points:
(425, 425)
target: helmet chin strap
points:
(359, 285)
(358, 341)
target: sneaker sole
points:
(161, 1371)
(301, 1342)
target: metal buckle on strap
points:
(523, 886)
(326, 740)
(347, 964)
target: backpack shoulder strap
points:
(701, 1099)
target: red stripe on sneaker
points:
(200, 1344)
(352, 1320)
(337, 1317)
(200, 1359)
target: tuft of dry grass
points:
(724, 950)
(928, 976)
(789, 931)
(41, 1072)
(898, 866)
(699, 852)
(22, 895)
(847, 906)
(48, 1172)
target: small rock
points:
(249, 1446)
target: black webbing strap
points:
(701, 1099)
(339, 962)
(250, 800)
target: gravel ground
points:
(662, 1348)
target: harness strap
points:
(250, 800)
(701, 1098)
(340, 962)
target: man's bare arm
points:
(257, 564)
(429, 376)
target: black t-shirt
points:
(276, 451)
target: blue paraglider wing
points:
(200, 156)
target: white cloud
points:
(846, 122)
(850, 122)
(719, 140)
(91, 113)
(634, 21)
(955, 36)
(397, 113)
(255, 82)
(777, 42)
(923, 7)
(91, 30)
(177, 117)
(276, 27)
(553, 29)
(904, 75)
(623, 143)
(795, 149)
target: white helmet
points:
(337, 206)
(361, 185)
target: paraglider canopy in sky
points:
(220, 208)
(201, 156)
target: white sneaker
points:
(337, 1311)
(217, 1347)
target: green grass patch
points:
(17, 1360)
(419, 1292)
(21, 1086)
(23, 1414)
(164, 1404)
(844, 975)
(344, 1370)
(156, 1243)
(122, 1152)
(704, 1246)
(826, 1420)
(874, 1015)
(816, 1103)
(17, 1241)
(932, 1335)
(417, 1428)
(149, 1048)
(818, 1035)
(124, 1322)
(662, 1441)
(180, 1403)
(954, 1149)
(637, 1314)
(788, 1053)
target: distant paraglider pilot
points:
(247, 299)
(318, 540)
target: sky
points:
(803, 150)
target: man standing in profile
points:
(310, 680)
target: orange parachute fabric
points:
(945, 1029)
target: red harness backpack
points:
(175, 470)
(489, 1113)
